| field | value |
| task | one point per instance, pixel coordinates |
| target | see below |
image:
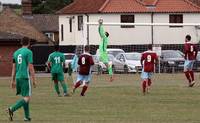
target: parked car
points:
(171, 61)
(127, 62)
(99, 66)
(112, 51)
(196, 66)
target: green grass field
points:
(121, 101)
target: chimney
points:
(27, 7)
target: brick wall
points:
(6, 53)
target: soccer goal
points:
(128, 40)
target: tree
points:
(48, 6)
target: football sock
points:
(149, 82)
(110, 72)
(187, 74)
(17, 105)
(56, 87)
(64, 86)
(26, 110)
(144, 86)
(84, 90)
(77, 84)
(192, 75)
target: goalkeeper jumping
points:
(103, 49)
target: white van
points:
(112, 51)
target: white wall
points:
(71, 38)
(175, 35)
(128, 36)
(122, 36)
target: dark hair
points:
(188, 37)
(149, 47)
(25, 41)
(56, 47)
(107, 34)
(87, 48)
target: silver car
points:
(99, 66)
(127, 62)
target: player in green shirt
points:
(56, 61)
(103, 48)
(21, 80)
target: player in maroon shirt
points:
(85, 62)
(190, 51)
(148, 61)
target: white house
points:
(72, 17)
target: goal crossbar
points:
(145, 24)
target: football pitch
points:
(121, 101)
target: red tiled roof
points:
(121, 6)
(129, 6)
(14, 24)
(176, 6)
(43, 22)
(148, 2)
(83, 6)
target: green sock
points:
(17, 105)
(64, 86)
(56, 88)
(26, 110)
(110, 72)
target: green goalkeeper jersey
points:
(22, 58)
(103, 45)
(56, 59)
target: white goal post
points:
(144, 24)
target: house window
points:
(127, 19)
(80, 23)
(50, 36)
(62, 31)
(176, 18)
(70, 25)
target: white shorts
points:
(188, 65)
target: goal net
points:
(128, 40)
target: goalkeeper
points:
(103, 49)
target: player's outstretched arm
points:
(101, 29)
(32, 73)
(13, 83)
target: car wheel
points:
(113, 69)
(99, 69)
(125, 69)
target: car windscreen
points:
(134, 56)
(110, 57)
(171, 54)
(69, 57)
(95, 58)
(115, 53)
